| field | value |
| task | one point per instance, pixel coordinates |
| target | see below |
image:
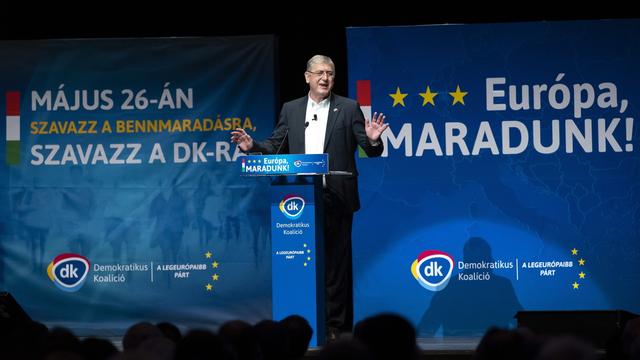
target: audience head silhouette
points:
(272, 339)
(503, 344)
(138, 333)
(345, 350)
(299, 333)
(566, 348)
(242, 338)
(388, 336)
(170, 331)
(203, 344)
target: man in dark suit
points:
(323, 122)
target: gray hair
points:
(320, 59)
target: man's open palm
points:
(375, 127)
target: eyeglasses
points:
(321, 73)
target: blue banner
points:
(510, 177)
(121, 199)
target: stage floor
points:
(440, 344)
(448, 344)
(434, 348)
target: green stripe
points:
(361, 153)
(13, 152)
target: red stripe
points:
(363, 92)
(13, 103)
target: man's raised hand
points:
(244, 140)
(375, 127)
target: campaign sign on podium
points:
(297, 243)
(286, 164)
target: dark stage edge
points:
(438, 349)
(452, 348)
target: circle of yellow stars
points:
(215, 276)
(581, 275)
(428, 96)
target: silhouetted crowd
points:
(384, 336)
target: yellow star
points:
(208, 254)
(309, 258)
(215, 264)
(582, 274)
(305, 245)
(215, 277)
(209, 287)
(305, 264)
(574, 251)
(308, 251)
(458, 96)
(428, 97)
(581, 262)
(398, 97)
(575, 285)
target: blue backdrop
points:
(510, 178)
(120, 198)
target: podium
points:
(297, 234)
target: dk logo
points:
(292, 206)
(432, 269)
(68, 271)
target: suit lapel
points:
(334, 110)
(298, 129)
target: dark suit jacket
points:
(345, 131)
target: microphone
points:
(315, 117)
(282, 143)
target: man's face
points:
(320, 79)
